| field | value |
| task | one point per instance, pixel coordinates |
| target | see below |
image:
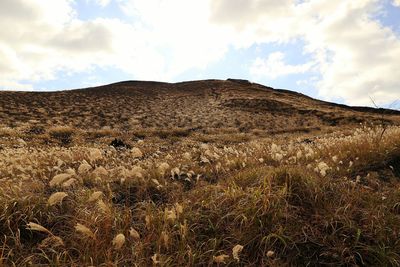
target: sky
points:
(346, 51)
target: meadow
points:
(177, 198)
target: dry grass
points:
(333, 200)
(207, 173)
(139, 106)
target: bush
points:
(174, 132)
(63, 134)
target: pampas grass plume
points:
(220, 258)
(178, 208)
(37, 227)
(52, 242)
(95, 196)
(134, 234)
(69, 182)
(162, 168)
(56, 198)
(95, 154)
(84, 167)
(136, 152)
(59, 178)
(84, 230)
(235, 252)
(118, 241)
(154, 258)
(103, 207)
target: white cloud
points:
(102, 3)
(354, 54)
(274, 66)
(396, 3)
(39, 39)
(357, 55)
(255, 20)
(180, 31)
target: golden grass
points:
(330, 200)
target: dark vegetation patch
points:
(118, 143)
(62, 135)
(176, 132)
(36, 130)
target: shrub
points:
(7, 132)
(174, 132)
(63, 134)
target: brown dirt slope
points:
(196, 104)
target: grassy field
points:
(177, 198)
(202, 173)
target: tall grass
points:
(333, 200)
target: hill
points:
(197, 105)
(202, 173)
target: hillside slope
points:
(198, 104)
(204, 173)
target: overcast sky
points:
(344, 51)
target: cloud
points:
(179, 30)
(355, 55)
(25, 25)
(256, 21)
(102, 3)
(39, 39)
(243, 13)
(274, 66)
(396, 3)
